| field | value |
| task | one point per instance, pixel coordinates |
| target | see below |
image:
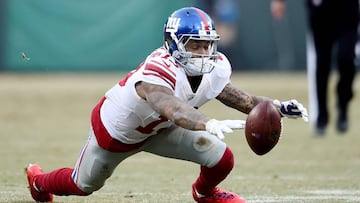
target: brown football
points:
(263, 127)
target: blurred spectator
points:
(226, 16)
(331, 22)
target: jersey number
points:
(150, 127)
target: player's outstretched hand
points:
(292, 109)
(218, 128)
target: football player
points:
(154, 109)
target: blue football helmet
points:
(187, 24)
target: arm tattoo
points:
(239, 99)
(166, 104)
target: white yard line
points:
(311, 195)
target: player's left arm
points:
(239, 99)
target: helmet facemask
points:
(195, 64)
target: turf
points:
(44, 119)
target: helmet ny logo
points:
(172, 24)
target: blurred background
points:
(115, 35)
(44, 115)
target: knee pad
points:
(211, 149)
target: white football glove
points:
(218, 128)
(291, 109)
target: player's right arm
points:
(162, 100)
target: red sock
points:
(209, 178)
(59, 182)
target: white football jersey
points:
(129, 119)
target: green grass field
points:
(44, 119)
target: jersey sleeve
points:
(160, 72)
(221, 74)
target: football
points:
(263, 128)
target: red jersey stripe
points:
(153, 69)
(172, 85)
(165, 65)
